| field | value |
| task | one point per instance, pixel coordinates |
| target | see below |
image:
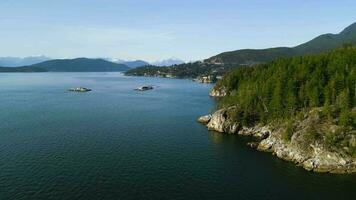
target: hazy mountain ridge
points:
(80, 65)
(168, 62)
(319, 44)
(22, 61)
(135, 63)
(22, 69)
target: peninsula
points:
(302, 109)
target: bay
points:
(117, 143)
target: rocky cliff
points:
(309, 141)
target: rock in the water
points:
(253, 145)
(80, 89)
(204, 119)
(144, 88)
(221, 122)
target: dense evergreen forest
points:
(282, 88)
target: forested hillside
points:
(80, 65)
(317, 45)
(282, 88)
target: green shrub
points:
(288, 133)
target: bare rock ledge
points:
(312, 157)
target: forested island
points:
(303, 109)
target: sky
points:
(160, 29)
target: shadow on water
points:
(264, 176)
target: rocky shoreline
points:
(218, 92)
(313, 156)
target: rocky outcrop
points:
(259, 131)
(314, 157)
(221, 121)
(218, 92)
(204, 119)
(311, 154)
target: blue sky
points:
(159, 29)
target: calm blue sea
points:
(117, 143)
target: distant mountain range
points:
(11, 64)
(317, 45)
(21, 69)
(80, 65)
(218, 65)
(135, 63)
(38, 60)
(140, 63)
(168, 62)
(234, 58)
(17, 61)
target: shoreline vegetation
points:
(198, 71)
(301, 109)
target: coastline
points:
(269, 138)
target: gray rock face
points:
(221, 122)
(316, 158)
(258, 131)
(218, 92)
(311, 156)
(204, 119)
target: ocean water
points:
(117, 143)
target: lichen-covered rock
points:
(218, 92)
(259, 131)
(313, 157)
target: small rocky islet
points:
(144, 88)
(79, 89)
